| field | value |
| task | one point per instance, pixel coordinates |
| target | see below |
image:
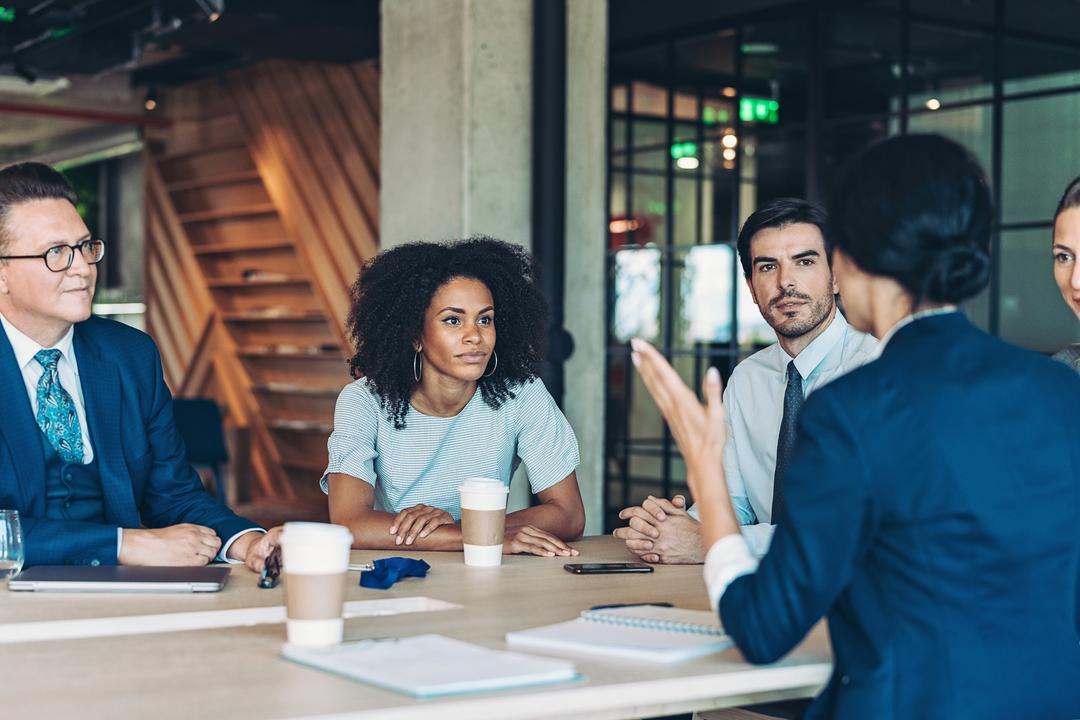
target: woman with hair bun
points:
(932, 495)
(1066, 250)
(448, 337)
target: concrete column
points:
(456, 120)
(586, 242)
(456, 93)
(456, 88)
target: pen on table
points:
(271, 571)
(619, 605)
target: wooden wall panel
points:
(262, 204)
(317, 167)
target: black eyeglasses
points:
(58, 258)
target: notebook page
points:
(431, 665)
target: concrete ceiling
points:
(82, 114)
(111, 52)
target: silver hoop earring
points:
(496, 364)
(417, 366)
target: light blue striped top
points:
(427, 460)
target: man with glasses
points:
(89, 453)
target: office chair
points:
(198, 420)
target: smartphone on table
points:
(601, 568)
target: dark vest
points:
(72, 491)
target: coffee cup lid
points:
(326, 530)
(485, 485)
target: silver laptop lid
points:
(117, 578)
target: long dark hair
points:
(1069, 199)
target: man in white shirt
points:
(784, 251)
(89, 453)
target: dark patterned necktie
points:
(56, 414)
(793, 401)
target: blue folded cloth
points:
(389, 570)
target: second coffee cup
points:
(315, 559)
(483, 520)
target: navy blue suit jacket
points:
(934, 518)
(145, 477)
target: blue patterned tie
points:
(793, 402)
(56, 414)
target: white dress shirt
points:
(731, 556)
(754, 408)
(25, 348)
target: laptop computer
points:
(120, 579)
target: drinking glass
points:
(11, 544)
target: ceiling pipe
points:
(81, 114)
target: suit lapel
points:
(20, 431)
(100, 380)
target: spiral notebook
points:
(644, 633)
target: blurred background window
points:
(710, 118)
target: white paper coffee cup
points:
(483, 520)
(315, 562)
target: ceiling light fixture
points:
(623, 225)
(212, 8)
(933, 104)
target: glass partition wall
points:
(704, 126)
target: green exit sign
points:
(7, 14)
(759, 110)
(683, 149)
(712, 116)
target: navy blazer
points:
(934, 502)
(145, 477)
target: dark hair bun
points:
(956, 274)
(917, 209)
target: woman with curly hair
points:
(441, 396)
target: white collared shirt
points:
(754, 408)
(25, 348)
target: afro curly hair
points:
(393, 292)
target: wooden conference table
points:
(236, 672)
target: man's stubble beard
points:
(819, 310)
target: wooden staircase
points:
(257, 287)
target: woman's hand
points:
(699, 430)
(418, 521)
(533, 540)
